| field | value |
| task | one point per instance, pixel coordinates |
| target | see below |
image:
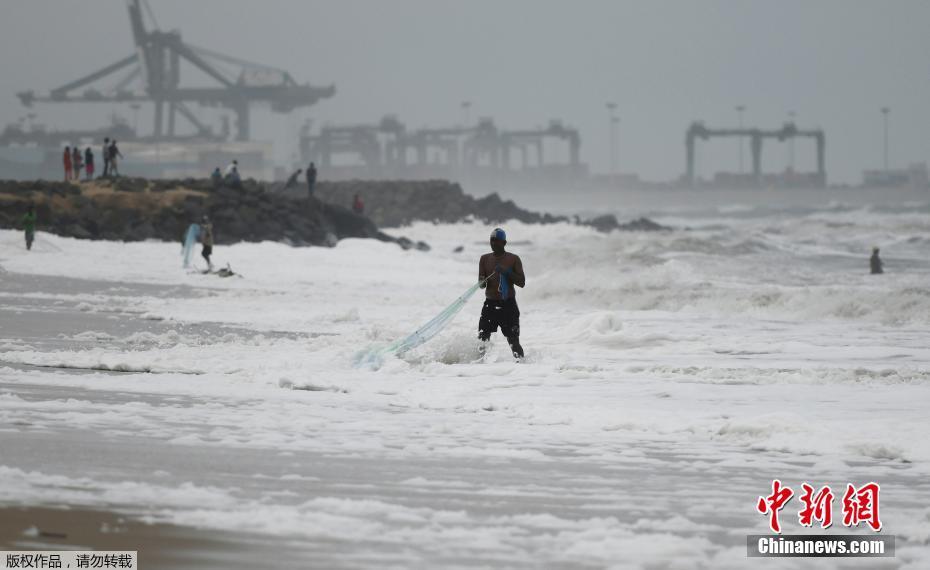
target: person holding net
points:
(498, 273)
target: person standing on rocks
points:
(89, 163)
(206, 239)
(498, 272)
(358, 206)
(311, 178)
(233, 180)
(66, 159)
(234, 165)
(105, 154)
(292, 179)
(29, 225)
(77, 162)
(115, 155)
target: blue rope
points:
(503, 287)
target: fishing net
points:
(375, 355)
(190, 238)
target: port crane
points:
(156, 61)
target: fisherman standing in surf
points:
(875, 262)
(501, 270)
(29, 226)
(206, 238)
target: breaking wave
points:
(812, 267)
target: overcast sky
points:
(522, 62)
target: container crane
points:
(157, 62)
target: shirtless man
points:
(502, 270)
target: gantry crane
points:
(697, 130)
(157, 62)
(534, 138)
(361, 140)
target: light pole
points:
(135, 117)
(615, 132)
(791, 115)
(611, 108)
(885, 111)
(739, 110)
(466, 109)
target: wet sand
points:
(49, 324)
(159, 546)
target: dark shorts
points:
(207, 251)
(500, 314)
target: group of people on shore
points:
(74, 161)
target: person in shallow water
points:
(206, 238)
(502, 270)
(876, 262)
(29, 225)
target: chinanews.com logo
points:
(860, 509)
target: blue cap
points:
(498, 233)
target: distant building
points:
(623, 181)
(914, 176)
(786, 179)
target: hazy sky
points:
(522, 62)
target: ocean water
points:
(670, 376)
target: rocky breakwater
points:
(134, 209)
(395, 203)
